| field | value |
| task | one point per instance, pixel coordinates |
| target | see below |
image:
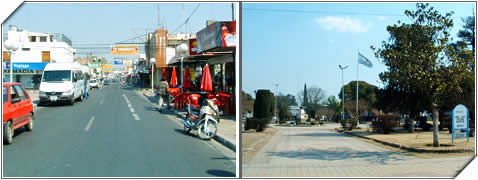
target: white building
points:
(35, 51)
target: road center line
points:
(129, 105)
(89, 123)
(131, 109)
(136, 117)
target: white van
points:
(62, 82)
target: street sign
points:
(460, 121)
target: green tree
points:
(283, 103)
(334, 105)
(315, 96)
(467, 34)
(247, 103)
(415, 59)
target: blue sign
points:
(118, 61)
(460, 122)
(25, 66)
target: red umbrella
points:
(164, 75)
(187, 80)
(174, 79)
(206, 81)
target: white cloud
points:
(381, 18)
(342, 24)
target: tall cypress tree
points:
(305, 96)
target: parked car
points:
(17, 110)
(106, 82)
(93, 83)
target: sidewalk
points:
(226, 133)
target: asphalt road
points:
(114, 133)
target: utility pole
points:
(232, 8)
(275, 109)
(343, 98)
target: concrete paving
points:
(321, 152)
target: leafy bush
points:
(349, 124)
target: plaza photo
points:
(357, 89)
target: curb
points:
(230, 145)
(411, 149)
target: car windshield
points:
(5, 94)
(92, 81)
(56, 76)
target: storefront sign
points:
(94, 65)
(218, 34)
(193, 47)
(25, 66)
(161, 42)
(106, 68)
(460, 121)
(19, 71)
(125, 50)
(118, 61)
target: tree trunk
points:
(435, 125)
(410, 124)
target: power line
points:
(320, 12)
(187, 18)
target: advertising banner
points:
(118, 61)
(218, 34)
(125, 50)
(193, 47)
(106, 67)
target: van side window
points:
(21, 93)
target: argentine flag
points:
(363, 60)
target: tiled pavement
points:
(321, 152)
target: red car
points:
(17, 110)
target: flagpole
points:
(358, 116)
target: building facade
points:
(35, 51)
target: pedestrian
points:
(163, 93)
(86, 86)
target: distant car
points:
(93, 83)
(106, 82)
(17, 110)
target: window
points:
(5, 94)
(21, 92)
(33, 39)
(13, 93)
(49, 76)
(25, 49)
(42, 38)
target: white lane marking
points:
(89, 123)
(136, 117)
(129, 105)
(131, 109)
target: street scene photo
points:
(357, 89)
(119, 90)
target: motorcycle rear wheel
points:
(207, 135)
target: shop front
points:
(29, 74)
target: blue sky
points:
(107, 23)
(307, 44)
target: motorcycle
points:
(202, 119)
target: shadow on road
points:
(320, 134)
(223, 158)
(343, 153)
(220, 173)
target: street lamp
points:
(11, 47)
(343, 98)
(275, 109)
(181, 50)
(152, 61)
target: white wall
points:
(59, 51)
